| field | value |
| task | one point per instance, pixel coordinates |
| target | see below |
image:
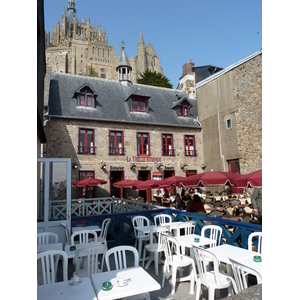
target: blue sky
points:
(211, 32)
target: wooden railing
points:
(95, 206)
(121, 212)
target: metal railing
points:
(121, 211)
(116, 150)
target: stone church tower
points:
(77, 47)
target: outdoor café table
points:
(188, 241)
(138, 282)
(241, 255)
(71, 253)
(64, 290)
(172, 226)
(91, 227)
(46, 247)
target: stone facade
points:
(75, 46)
(62, 141)
(230, 110)
(187, 80)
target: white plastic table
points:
(45, 247)
(91, 227)
(140, 282)
(241, 255)
(172, 226)
(189, 240)
(65, 291)
(71, 253)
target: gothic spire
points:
(71, 11)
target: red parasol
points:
(253, 179)
(126, 183)
(213, 178)
(173, 180)
(146, 184)
(88, 182)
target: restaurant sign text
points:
(143, 159)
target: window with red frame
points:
(189, 145)
(167, 145)
(86, 141)
(86, 174)
(139, 105)
(88, 191)
(86, 97)
(143, 144)
(190, 172)
(116, 143)
(184, 111)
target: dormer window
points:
(184, 111)
(182, 107)
(85, 97)
(139, 106)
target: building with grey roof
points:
(117, 130)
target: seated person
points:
(172, 198)
(179, 204)
(166, 197)
(187, 196)
(196, 206)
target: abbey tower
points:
(76, 46)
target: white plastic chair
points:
(140, 237)
(214, 279)
(253, 236)
(104, 230)
(240, 273)
(90, 256)
(176, 260)
(116, 259)
(47, 238)
(162, 219)
(103, 235)
(155, 248)
(67, 233)
(47, 263)
(186, 228)
(215, 234)
(84, 236)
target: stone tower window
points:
(228, 123)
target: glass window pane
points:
(41, 191)
(58, 191)
(135, 105)
(142, 106)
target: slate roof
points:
(111, 102)
(229, 68)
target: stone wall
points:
(247, 88)
(62, 141)
(235, 95)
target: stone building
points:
(116, 130)
(230, 110)
(191, 75)
(76, 46)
